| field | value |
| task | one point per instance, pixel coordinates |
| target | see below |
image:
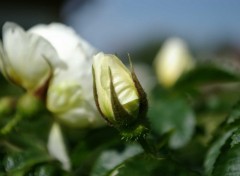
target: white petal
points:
(64, 95)
(2, 60)
(122, 81)
(72, 49)
(57, 148)
(73, 106)
(82, 117)
(102, 81)
(70, 95)
(64, 39)
(26, 54)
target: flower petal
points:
(82, 117)
(56, 146)
(2, 61)
(73, 50)
(69, 95)
(26, 55)
(122, 80)
(64, 39)
(102, 80)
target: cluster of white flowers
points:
(55, 60)
(52, 63)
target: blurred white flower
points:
(70, 95)
(56, 146)
(25, 58)
(172, 60)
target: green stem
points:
(149, 149)
(11, 124)
(10, 146)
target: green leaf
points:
(205, 74)
(228, 162)
(108, 160)
(235, 138)
(49, 170)
(23, 161)
(89, 145)
(8, 88)
(45, 170)
(228, 137)
(172, 114)
(235, 114)
(215, 151)
(142, 165)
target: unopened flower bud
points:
(118, 93)
(172, 61)
(7, 105)
(29, 105)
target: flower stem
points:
(11, 124)
(149, 149)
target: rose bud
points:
(172, 60)
(119, 96)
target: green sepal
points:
(135, 132)
(96, 98)
(143, 102)
(122, 117)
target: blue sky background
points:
(115, 26)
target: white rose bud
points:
(26, 59)
(172, 61)
(70, 95)
(118, 93)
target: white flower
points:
(172, 61)
(104, 66)
(70, 95)
(25, 58)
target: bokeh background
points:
(190, 112)
(138, 27)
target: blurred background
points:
(139, 28)
(192, 99)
